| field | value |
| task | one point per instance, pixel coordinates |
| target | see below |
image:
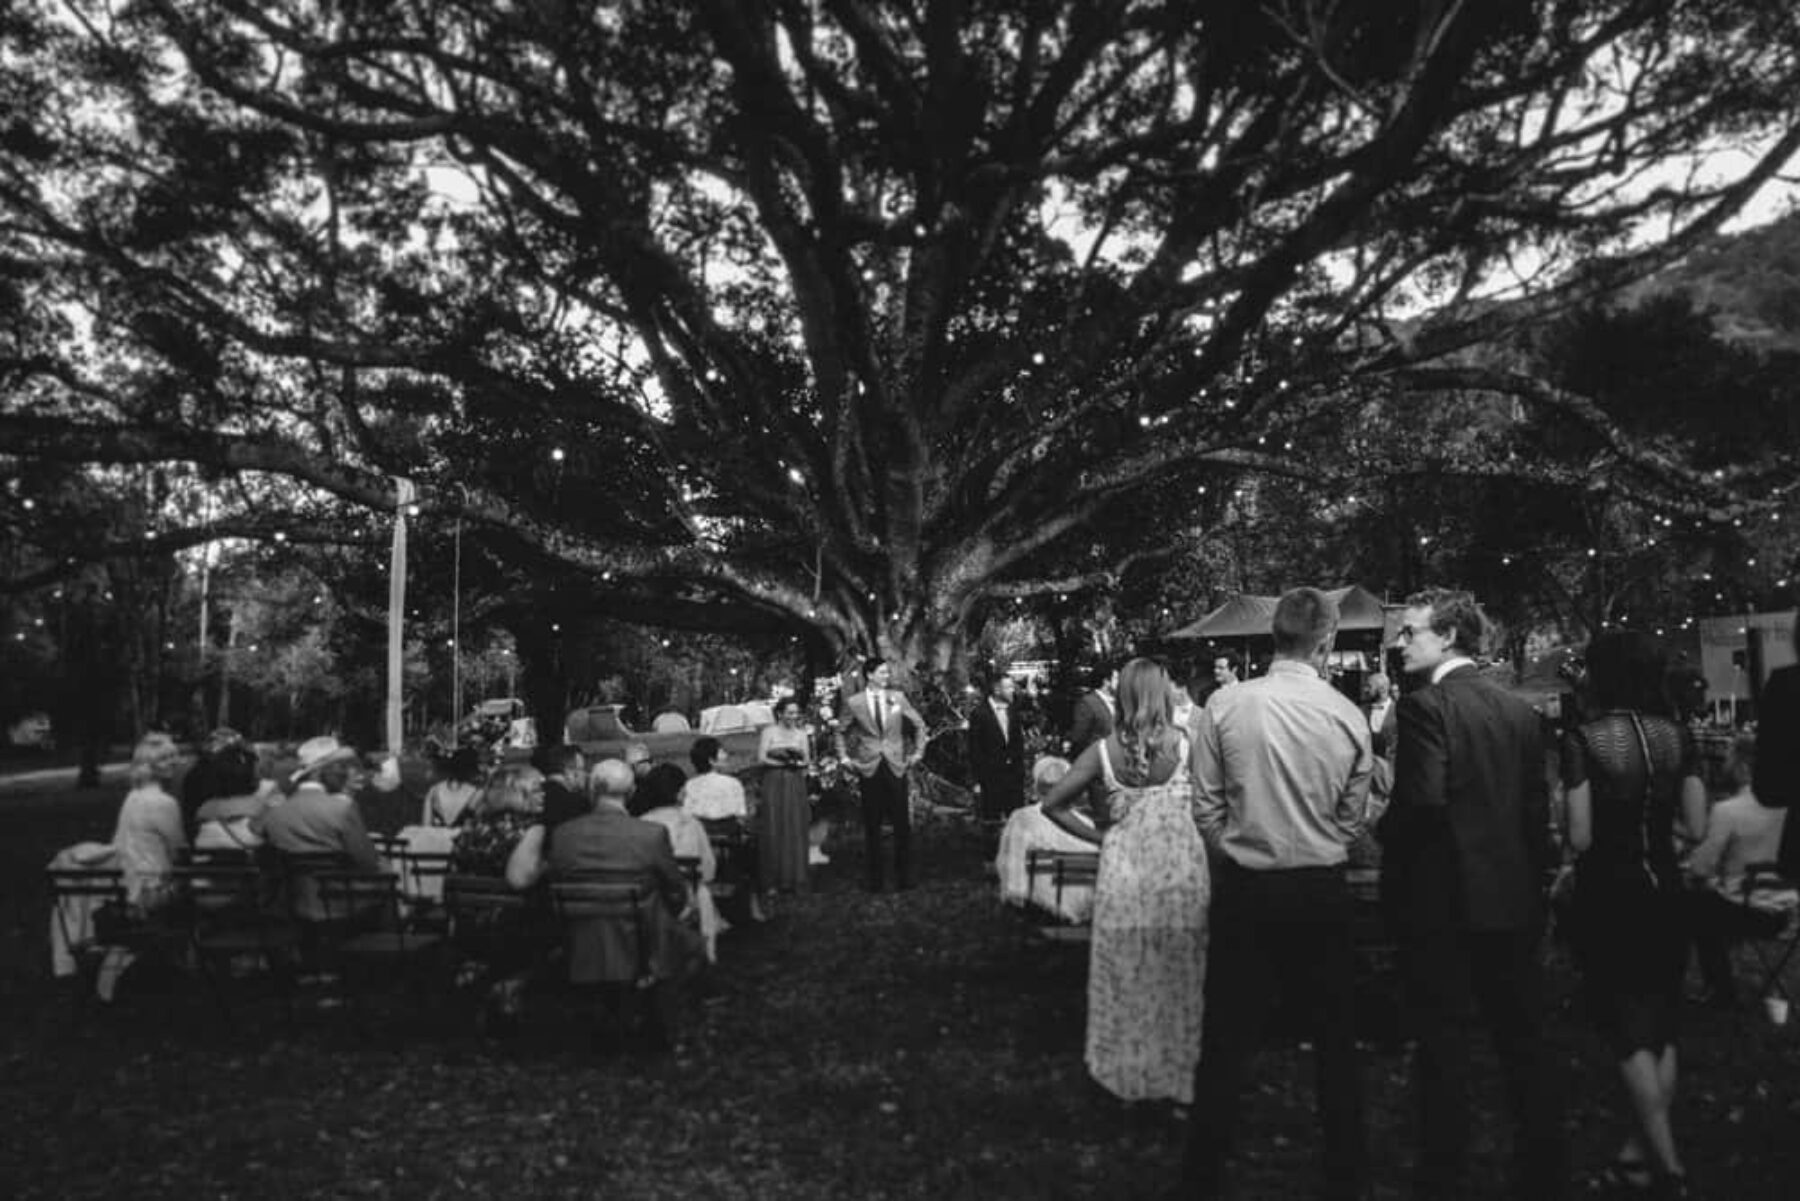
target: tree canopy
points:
(851, 317)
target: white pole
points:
(397, 618)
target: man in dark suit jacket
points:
(1777, 782)
(1465, 849)
(609, 844)
(1094, 711)
(997, 750)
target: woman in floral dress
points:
(1147, 965)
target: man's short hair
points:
(1454, 615)
(1305, 619)
(557, 759)
(871, 663)
(611, 778)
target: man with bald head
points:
(609, 844)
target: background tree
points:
(847, 320)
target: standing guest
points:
(490, 828)
(1224, 673)
(784, 817)
(1465, 851)
(1378, 707)
(565, 770)
(1778, 753)
(658, 799)
(875, 744)
(997, 750)
(1283, 766)
(457, 781)
(1182, 704)
(1628, 773)
(1147, 957)
(1740, 831)
(319, 816)
(637, 758)
(1096, 710)
(608, 842)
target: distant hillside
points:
(1750, 280)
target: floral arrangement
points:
(827, 773)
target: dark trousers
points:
(884, 801)
(1501, 972)
(1716, 923)
(1290, 930)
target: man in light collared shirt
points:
(1282, 787)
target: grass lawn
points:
(865, 1046)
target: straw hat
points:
(315, 753)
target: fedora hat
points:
(315, 753)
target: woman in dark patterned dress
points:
(512, 941)
(1630, 773)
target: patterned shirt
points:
(486, 841)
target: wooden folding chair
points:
(1763, 881)
(1063, 870)
(230, 920)
(617, 904)
(216, 857)
(77, 895)
(422, 875)
(94, 919)
(364, 932)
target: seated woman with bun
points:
(1028, 830)
(658, 799)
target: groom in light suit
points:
(875, 744)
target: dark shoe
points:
(1671, 1186)
(1623, 1178)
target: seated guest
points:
(493, 823)
(565, 782)
(1739, 831)
(505, 940)
(149, 835)
(711, 795)
(658, 799)
(609, 842)
(200, 784)
(319, 816)
(719, 802)
(234, 794)
(146, 841)
(1028, 830)
(456, 781)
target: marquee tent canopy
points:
(1246, 616)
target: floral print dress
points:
(1147, 962)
